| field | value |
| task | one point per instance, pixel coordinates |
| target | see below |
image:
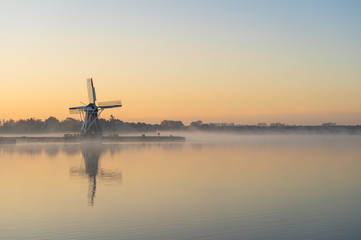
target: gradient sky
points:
(297, 62)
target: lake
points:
(210, 187)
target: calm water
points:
(226, 187)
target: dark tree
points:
(170, 124)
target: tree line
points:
(113, 125)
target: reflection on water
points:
(254, 187)
(91, 159)
(91, 154)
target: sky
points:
(296, 62)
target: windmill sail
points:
(75, 110)
(91, 90)
(110, 104)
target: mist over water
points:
(213, 186)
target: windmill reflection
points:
(91, 155)
(91, 160)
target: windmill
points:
(90, 113)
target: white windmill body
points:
(90, 113)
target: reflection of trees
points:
(91, 157)
(52, 150)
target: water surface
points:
(226, 187)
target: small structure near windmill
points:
(90, 113)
